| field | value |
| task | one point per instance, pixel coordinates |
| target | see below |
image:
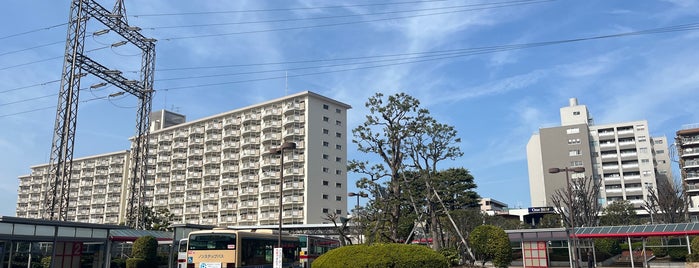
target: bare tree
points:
(668, 204)
(341, 229)
(582, 196)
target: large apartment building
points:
(687, 144)
(220, 170)
(622, 157)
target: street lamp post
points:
(280, 150)
(571, 207)
(358, 195)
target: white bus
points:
(182, 253)
(226, 248)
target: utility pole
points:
(75, 66)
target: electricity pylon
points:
(75, 66)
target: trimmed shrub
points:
(118, 263)
(490, 243)
(694, 257)
(136, 263)
(381, 256)
(677, 254)
(46, 262)
(654, 243)
(146, 248)
(607, 247)
(452, 255)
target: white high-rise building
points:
(220, 170)
(687, 144)
(622, 157)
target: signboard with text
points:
(541, 210)
(278, 257)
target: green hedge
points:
(137, 263)
(381, 256)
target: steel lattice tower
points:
(75, 66)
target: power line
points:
(475, 51)
(33, 31)
(494, 5)
(29, 86)
(26, 100)
(331, 17)
(282, 9)
(44, 60)
(437, 55)
(353, 22)
(49, 107)
(30, 48)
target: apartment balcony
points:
(637, 202)
(271, 137)
(690, 140)
(196, 152)
(213, 137)
(266, 113)
(624, 131)
(607, 145)
(271, 124)
(231, 132)
(608, 133)
(192, 210)
(608, 180)
(627, 142)
(689, 152)
(229, 193)
(292, 107)
(294, 131)
(628, 166)
(629, 155)
(293, 200)
(269, 202)
(214, 126)
(214, 149)
(231, 121)
(691, 164)
(229, 219)
(251, 129)
(293, 186)
(613, 191)
(209, 208)
(293, 213)
(248, 192)
(250, 118)
(247, 204)
(610, 167)
(293, 171)
(177, 188)
(632, 177)
(251, 141)
(630, 190)
(609, 156)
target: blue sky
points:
(495, 99)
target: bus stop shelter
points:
(24, 241)
(536, 242)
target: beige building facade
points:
(221, 170)
(624, 159)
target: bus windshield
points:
(211, 241)
(182, 247)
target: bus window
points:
(211, 242)
(182, 253)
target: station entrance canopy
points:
(673, 229)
